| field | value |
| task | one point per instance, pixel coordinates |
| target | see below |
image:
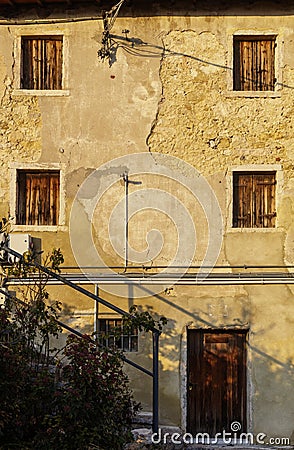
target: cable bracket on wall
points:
(108, 44)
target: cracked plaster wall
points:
(179, 103)
(200, 121)
(20, 136)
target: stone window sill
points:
(253, 94)
(41, 228)
(254, 230)
(42, 93)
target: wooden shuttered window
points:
(38, 198)
(254, 199)
(41, 62)
(254, 63)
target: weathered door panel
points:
(216, 380)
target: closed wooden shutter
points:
(38, 198)
(254, 200)
(41, 66)
(254, 63)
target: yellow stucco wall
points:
(170, 93)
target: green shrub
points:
(81, 404)
(94, 404)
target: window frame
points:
(41, 183)
(15, 168)
(106, 342)
(34, 48)
(238, 66)
(18, 90)
(251, 187)
(255, 168)
(279, 51)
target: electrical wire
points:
(48, 21)
(138, 52)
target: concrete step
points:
(143, 419)
(173, 438)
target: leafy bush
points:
(84, 403)
(93, 405)
(89, 402)
(26, 383)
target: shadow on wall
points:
(136, 47)
(273, 395)
(271, 392)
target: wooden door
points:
(216, 380)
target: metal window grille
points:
(254, 63)
(108, 336)
(254, 199)
(38, 197)
(41, 62)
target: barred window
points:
(38, 200)
(108, 336)
(41, 62)
(254, 63)
(254, 199)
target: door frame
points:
(184, 372)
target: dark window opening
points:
(111, 333)
(41, 62)
(254, 63)
(38, 197)
(254, 199)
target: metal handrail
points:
(155, 331)
(79, 334)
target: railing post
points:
(155, 339)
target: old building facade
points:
(168, 126)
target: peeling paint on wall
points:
(20, 134)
